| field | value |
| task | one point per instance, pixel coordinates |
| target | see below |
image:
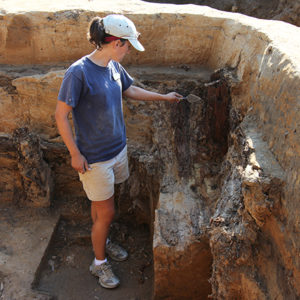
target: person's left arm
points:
(137, 93)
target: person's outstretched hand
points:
(173, 97)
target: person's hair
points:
(96, 34)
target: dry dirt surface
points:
(284, 10)
(25, 235)
(43, 256)
(65, 272)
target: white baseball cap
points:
(122, 27)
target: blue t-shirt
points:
(95, 94)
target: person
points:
(92, 90)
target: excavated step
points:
(25, 237)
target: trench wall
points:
(264, 52)
(41, 42)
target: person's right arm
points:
(78, 161)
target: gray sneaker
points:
(116, 252)
(107, 278)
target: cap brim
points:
(136, 44)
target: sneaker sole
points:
(103, 284)
(116, 258)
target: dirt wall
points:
(225, 186)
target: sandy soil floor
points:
(53, 255)
(65, 273)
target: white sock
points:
(99, 262)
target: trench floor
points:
(51, 254)
(65, 271)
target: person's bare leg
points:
(93, 213)
(102, 214)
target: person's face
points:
(121, 50)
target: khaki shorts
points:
(98, 183)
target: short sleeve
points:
(70, 89)
(126, 79)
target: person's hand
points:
(79, 163)
(173, 97)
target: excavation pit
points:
(185, 134)
(216, 183)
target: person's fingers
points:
(81, 169)
(86, 165)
